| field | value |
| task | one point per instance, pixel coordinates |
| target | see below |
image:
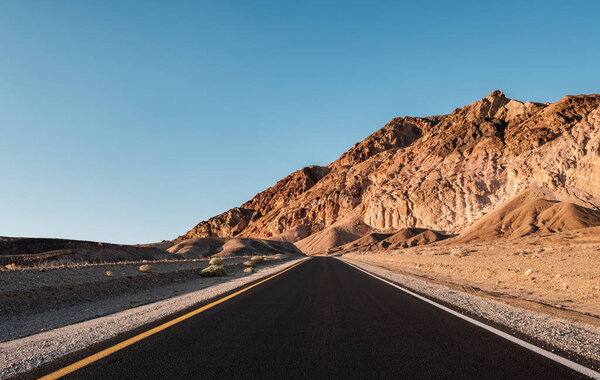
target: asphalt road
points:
(324, 319)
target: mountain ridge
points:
(439, 172)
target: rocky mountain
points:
(440, 173)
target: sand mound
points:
(402, 236)
(341, 232)
(406, 237)
(411, 237)
(225, 247)
(369, 239)
(525, 215)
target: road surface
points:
(322, 319)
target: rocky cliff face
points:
(439, 172)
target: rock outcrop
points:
(440, 172)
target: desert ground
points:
(553, 273)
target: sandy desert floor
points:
(81, 292)
(557, 273)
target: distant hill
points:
(37, 251)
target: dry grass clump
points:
(250, 264)
(216, 261)
(214, 271)
(249, 270)
(85, 264)
(257, 258)
(109, 273)
(459, 252)
(146, 268)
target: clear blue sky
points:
(130, 121)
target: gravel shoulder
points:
(65, 329)
(574, 337)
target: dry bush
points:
(109, 273)
(257, 258)
(250, 264)
(11, 266)
(216, 261)
(145, 268)
(249, 270)
(459, 252)
(214, 271)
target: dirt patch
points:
(28, 292)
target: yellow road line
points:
(119, 346)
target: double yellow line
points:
(119, 346)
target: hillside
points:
(441, 173)
(32, 252)
(528, 213)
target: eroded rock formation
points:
(438, 172)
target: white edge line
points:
(559, 359)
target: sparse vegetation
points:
(214, 271)
(249, 270)
(216, 261)
(459, 252)
(257, 258)
(250, 264)
(146, 268)
(11, 266)
(37, 266)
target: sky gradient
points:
(130, 122)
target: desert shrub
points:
(216, 261)
(109, 273)
(257, 258)
(11, 266)
(249, 270)
(250, 264)
(459, 252)
(145, 268)
(214, 271)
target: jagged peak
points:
(495, 95)
(497, 106)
